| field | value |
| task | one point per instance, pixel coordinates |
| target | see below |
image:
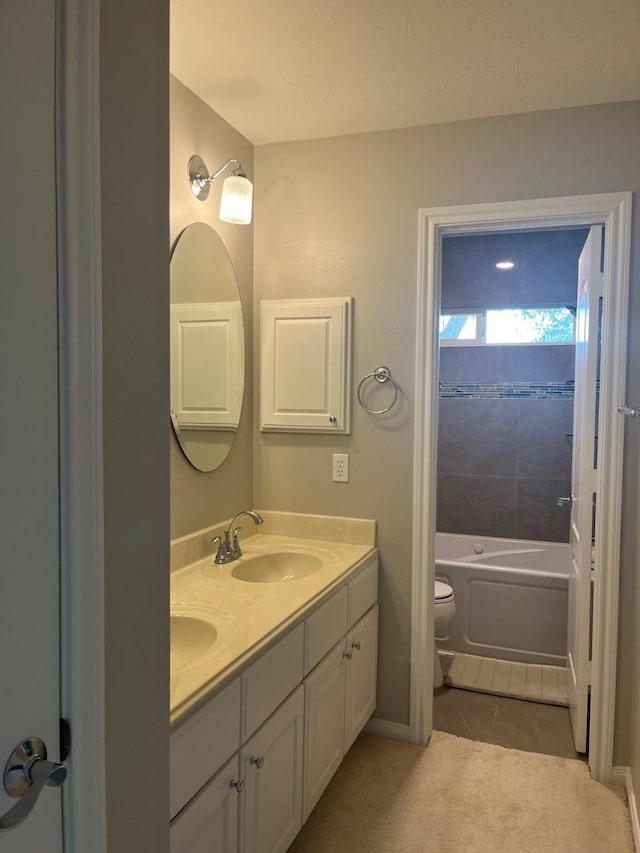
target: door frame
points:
(82, 601)
(613, 210)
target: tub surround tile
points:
(477, 505)
(478, 437)
(538, 516)
(479, 364)
(543, 449)
(546, 363)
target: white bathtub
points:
(511, 597)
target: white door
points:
(29, 525)
(583, 485)
(209, 824)
(271, 765)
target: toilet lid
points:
(443, 591)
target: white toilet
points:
(445, 609)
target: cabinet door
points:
(209, 824)
(305, 365)
(362, 644)
(271, 762)
(324, 725)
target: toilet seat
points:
(443, 592)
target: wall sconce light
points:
(237, 190)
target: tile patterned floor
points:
(547, 684)
(512, 723)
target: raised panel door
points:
(271, 764)
(209, 824)
(325, 691)
(362, 645)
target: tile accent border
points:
(508, 390)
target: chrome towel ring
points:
(381, 374)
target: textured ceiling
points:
(299, 69)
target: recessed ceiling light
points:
(505, 265)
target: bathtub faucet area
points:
(229, 547)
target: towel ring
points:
(381, 374)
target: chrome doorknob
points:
(565, 501)
(26, 773)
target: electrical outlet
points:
(340, 467)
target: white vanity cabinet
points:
(271, 762)
(282, 726)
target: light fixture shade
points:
(236, 201)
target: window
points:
(548, 325)
(459, 327)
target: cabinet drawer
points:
(363, 593)
(202, 744)
(270, 680)
(324, 628)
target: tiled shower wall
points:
(506, 412)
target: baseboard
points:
(622, 776)
(386, 728)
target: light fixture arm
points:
(219, 171)
(201, 180)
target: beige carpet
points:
(460, 796)
(531, 681)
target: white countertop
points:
(248, 615)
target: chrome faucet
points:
(229, 548)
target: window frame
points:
(481, 327)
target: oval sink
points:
(190, 638)
(276, 568)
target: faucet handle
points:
(235, 544)
(220, 554)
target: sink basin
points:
(277, 567)
(190, 638)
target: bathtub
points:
(511, 597)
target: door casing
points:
(613, 210)
(82, 601)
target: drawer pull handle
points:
(259, 761)
(357, 646)
(238, 784)
(347, 655)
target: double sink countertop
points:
(221, 618)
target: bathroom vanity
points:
(263, 713)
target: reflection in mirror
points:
(207, 347)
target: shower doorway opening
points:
(613, 212)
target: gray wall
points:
(134, 141)
(198, 499)
(339, 217)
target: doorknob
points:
(629, 411)
(25, 774)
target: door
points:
(583, 484)
(271, 765)
(209, 824)
(324, 725)
(29, 524)
(362, 668)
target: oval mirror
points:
(207, 347)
